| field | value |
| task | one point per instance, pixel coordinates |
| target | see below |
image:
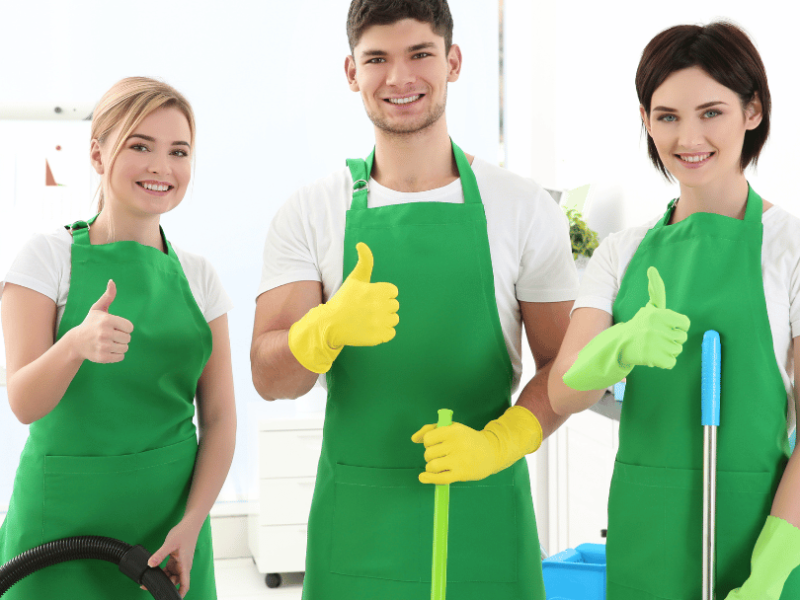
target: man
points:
(467, 252)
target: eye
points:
(668, 118)
(376, 60)
(710, 114)
(181, 153)
(139, 147)
(422, 55)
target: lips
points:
(404, 100)
(155, 186)
(695, 158)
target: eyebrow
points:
(414, 48)
(151, 139)
(701, 107)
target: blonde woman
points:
(110, 334)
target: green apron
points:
(371, 523)
(711, 267)
(115, 457)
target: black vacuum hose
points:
(132, 561)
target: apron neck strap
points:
(752, 213)
(755, 206)
(80, 231)
(361, 169)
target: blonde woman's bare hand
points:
(103, 337)
(179, 547)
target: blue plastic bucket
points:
(578, 574)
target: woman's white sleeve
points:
(37, 267)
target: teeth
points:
(405, 100)
(155, 188)
(695, 158)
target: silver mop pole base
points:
(709, 510)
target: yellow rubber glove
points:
(460, 453)
(360, 313)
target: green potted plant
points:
(584, 240)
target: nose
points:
(690, 133)
(400, 73)
(159, 163)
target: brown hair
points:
(723, 51)
(128, 103)
(365, 13)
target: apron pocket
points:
(743, 504)
(655, 530)
(483, 537)
(377, 519)
(132, 497)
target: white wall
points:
(266, 81)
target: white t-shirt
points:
(44, 265)
(528, 241)
(780, 266)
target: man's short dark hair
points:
(366, 13)
(728, 56)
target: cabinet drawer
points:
(289, 453)
(285, 501)
(282, 549)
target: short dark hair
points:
(365, 13)
(723, 51)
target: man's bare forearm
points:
(276, 372)
(534, 398)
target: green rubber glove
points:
(653, 337)
(776, 555)
(460, 453)
(360, 313)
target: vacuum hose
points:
(132, 561)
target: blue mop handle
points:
(709, 399)
(710, 378)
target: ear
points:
(753, 113)
(645, 120)
(350, 73)
(96, 157)
(454, 63)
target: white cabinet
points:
(288, 452)
(581, 454)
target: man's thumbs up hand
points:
(360, 313)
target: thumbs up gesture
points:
(655, 334)
(654, 337)
(360, 313)
(103, 337)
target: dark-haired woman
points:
(725, 260)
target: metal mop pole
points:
(441, 517)
(710, 392)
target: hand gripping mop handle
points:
(441, 516)
(710, 392)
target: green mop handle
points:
(441, 513)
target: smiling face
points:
(698, 127)
(402, 72)
(152, 170)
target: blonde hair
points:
(127, 104)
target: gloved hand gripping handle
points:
(441, 516)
